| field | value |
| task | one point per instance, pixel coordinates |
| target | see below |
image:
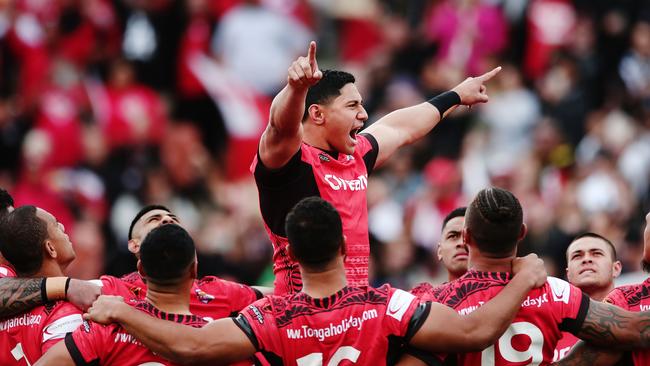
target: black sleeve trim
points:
(573, 326)
(419, 316)
(275, 177)
(244, 325)
(370, 158)
(258, 293)
(76, 354)
(423, 356)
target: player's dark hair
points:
(327, 88)
(596, 236)
(166, 254)
(143, 212)
(6, 201)
(315, 232)
(494, 220)
(22, 236)
(457, 212)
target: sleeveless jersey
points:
(339, 179)
(532, 337)
(25, 338)
(357, 325)
(96, 344)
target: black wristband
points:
(44, 291)
(445, 101)
(67, 284)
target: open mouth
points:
(353, 134)
(588, 270)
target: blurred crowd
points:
(106, 106)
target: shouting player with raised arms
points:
(312, 147)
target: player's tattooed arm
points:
(584, 354)
(18, 295)
(610, 326)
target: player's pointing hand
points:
(304, 72)
(473, 90)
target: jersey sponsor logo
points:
(126, 338)
(560, 289)
(535, 301)
(644, 307)
(256, 313)
(470, 309)
(58, 328)
(337, 184)
(26, 320)
(331, 330)
(399, 303)
(203, 296)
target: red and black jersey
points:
(25, 338)
(532, 337)
(96, 344)
(633, 298)
(211, 297)
(363, 325)
(339, 179)
(426, 292)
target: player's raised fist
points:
(531, 266)
(304, 72)
(473, 90)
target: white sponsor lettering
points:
(399, 303)
(645, 307)
(26, 320)
(535, 301)
(58, 328)
(561, 289)
(353, 322)
(469, 309)
(126, 338)
(358, 184)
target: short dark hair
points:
(22, 235)
(166, 254)
(314, 231)
(143, 212)
(494, 220)
(328, 87)
(6, 201)
(597, 236)
(457, 212)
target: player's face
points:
(451, 250)
(590, 263)
(344, 117)
(152, 220)
(60, 240)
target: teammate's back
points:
(363, 325)
(546, 312)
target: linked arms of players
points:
(407, 125)
(445, 330)
(219, 342)
(18, 295)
